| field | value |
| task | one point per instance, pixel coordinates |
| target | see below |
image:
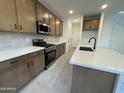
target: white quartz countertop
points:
(10, 54)
(102, 59)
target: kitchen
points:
(40, 42)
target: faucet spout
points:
(94, 42)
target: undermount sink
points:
(86, 49)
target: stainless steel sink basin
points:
(86, 49)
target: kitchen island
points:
(101, 71)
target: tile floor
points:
(57, 79)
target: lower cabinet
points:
(60, 49)
(36, 62)
(8, 77)
(23, 71)
(17, 72)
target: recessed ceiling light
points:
(71, 12)
(121, 12)
(104, 6)
(75, 21)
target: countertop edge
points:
(95, 68)
(21, 54)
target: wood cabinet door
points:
(58, 51)
(52, 24)
(57, 27)
(95, 24)
(8, 15)
(26, 15)
(86, 25)
(61, 28)
(37, 62)
(62, 49)
(8, 76)
(43, 13)
(23, 71)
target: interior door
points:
(26, 15)
(8, 15)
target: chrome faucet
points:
(94, 42)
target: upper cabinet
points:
(18, 15)
(43, 13)
(8, 17)
(46, 16)
(53, 24)
(21, 16)
(57, 27)
(91, 23)
(26, 10)
(61, 28)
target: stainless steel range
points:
(50, 51)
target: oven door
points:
(50, 57)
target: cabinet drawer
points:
(35, 54)
(9, 63)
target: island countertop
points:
(102, 59)
(10, 54)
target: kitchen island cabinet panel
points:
(87, 80)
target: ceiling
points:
(81, 7)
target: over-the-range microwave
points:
(43, 28)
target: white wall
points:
(106, 30)
(86, 35)
(117, 36)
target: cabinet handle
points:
(15, 25)
(20, 26)
(28, 65)
(14, 62)
(32, 63)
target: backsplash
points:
(86, 35)
(10, 40)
